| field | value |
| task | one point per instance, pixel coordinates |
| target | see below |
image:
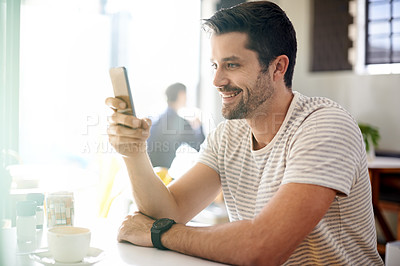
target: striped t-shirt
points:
(318, 143)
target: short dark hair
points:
(270, 32)
(173, 90)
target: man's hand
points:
(136, 230)
(127, 134)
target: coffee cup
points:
(68, 244)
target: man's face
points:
(239, 78)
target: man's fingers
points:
(122, 131)
(115, 103)
(146, 123)
(120, 134)
(127, 120)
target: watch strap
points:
(157, 232)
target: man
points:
(292, 169)
(171, 131)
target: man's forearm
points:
(269, 239)
(232, 243)
(152, 197)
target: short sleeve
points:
(325, 150)
(209, 149)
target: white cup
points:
(68, 244)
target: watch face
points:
(162, 223)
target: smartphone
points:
(122, 90)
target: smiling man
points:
(239, 103)
(292, 169)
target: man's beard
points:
(261, 92)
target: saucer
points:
(44, 257)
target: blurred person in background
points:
(170, 130)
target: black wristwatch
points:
(160, 226)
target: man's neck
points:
(265, 126)
(174, 107)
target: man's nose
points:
(220, 78)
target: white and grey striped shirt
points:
(318, 143)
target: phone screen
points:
(120, 82)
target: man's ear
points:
(280, 65)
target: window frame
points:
(9, 81)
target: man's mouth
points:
(230, 94)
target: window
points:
(382, 32)
(66, 51)
(57, 55)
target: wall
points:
(373, 99)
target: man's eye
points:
(214, 65)
(231, 65)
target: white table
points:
(103, 237)
(384, 163)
